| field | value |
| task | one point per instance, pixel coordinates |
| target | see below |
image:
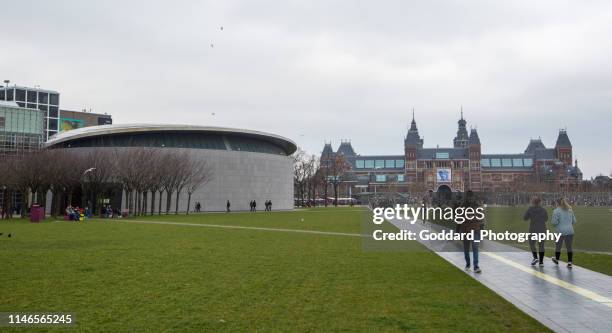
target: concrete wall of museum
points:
(237, 176)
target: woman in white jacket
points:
(563, 219)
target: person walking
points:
(269, 205)
(537, 217)
(227, 206)
(563, 219)
(254, 206)
(471, 226)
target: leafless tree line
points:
(141, 173)
(305, 176)
(313, 177)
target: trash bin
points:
(37, 213)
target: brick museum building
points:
(457, 168)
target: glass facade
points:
(399, 163)
(33, 98)
(381, 178)
(20, 130)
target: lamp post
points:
(83, 203)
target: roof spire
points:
(461, 111)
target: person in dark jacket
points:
(473, 225)
(537, 216)
(227, 206)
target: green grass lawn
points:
(593, 232)
(126, 277)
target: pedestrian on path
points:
(474, 226)
(537, 217)
(563, 219)
(227, 206)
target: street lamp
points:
(83, 196)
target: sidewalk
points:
(576, 300)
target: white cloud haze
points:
(327, 70)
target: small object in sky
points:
(221, 28)
(213, 113)
(212, 45)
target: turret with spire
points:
(462, 138)
(412, 144)
(475, 154)
(412, 137)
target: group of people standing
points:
(563, 220)
(253, 205)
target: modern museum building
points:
(245, 165)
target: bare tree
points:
(336, 170)
(199, 175)
(97, 175)
(300, 173)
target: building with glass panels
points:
(461, 167)
(47, 101)
(21, 129)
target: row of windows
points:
(379, 164)
(30, 96)
(506, 162)
(176, 140)
(383, 178)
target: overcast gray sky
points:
(327, 70)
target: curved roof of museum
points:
(173, 136)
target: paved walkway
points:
(576, 300)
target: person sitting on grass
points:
(537, 217)
(563, 219)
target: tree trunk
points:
(176, 204)
(188, 202)
(160, 202)
(325, 194)
(168, 201)
(138, 203)
(336, 195)
(153, 202)
(144, 202)
(25, 202)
